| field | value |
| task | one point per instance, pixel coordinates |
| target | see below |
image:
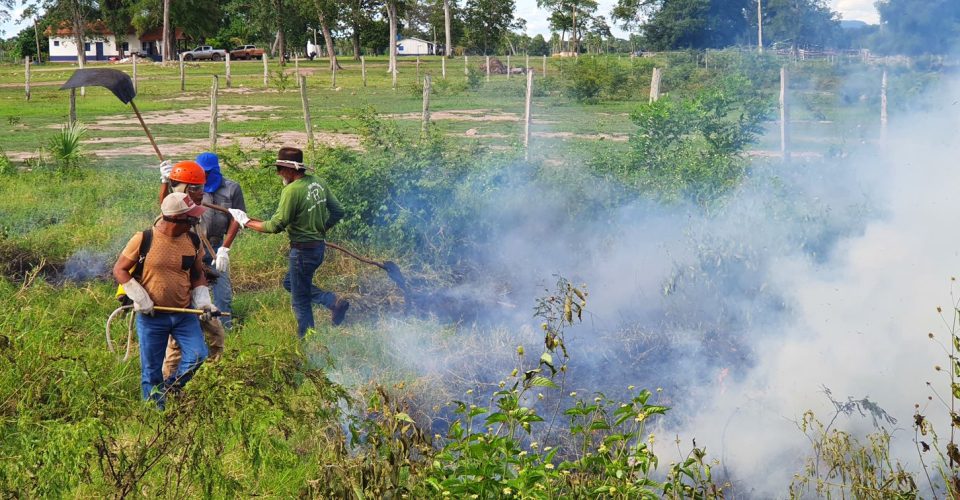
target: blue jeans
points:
(304, 263)
(153, 332)
(222, 292)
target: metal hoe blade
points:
(116, 81)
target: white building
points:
(101, 44)
(414, 47)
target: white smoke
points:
(812, 275)
(859, 321)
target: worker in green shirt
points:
(306, 212)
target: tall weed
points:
(67, 149)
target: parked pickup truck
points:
(246, 52)
(205, 52)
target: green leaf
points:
(542, 382)
(546, 359)
(403, 417)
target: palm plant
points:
(67, 149)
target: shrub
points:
(67, 149)
(6, 166)
(691, 148)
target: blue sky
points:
(537, 19)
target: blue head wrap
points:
(211, 166)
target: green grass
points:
(264, 421)
(24, 126)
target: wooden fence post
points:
(296, 68)
(883, 107)
(183, 76)
(213, 112)
(73, 106)
(363, 70)
(443, 67)
(488, 68)
(466, 66)
(306, 112)
(418, 68)
(26, 76)
(266, 70)
(527, 62)
(508, 65)
(655, 85)
(135, 84)
(784, 116)
(527, 119)
(425, 120)
(544, 66)
(226, 69)
(333, 77)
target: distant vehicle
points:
(312, 50)
(247, 52)
(205, 52)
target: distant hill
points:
(853, 24)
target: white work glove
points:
(200, 298)
(222, 263)
(142, 303)
(166, 167)
(240, 216)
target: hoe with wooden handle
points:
(392, 269)
(115, 81)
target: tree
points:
(914, 28)
(5, 7)
(487, 21)
(572, 14)
(800, 23)
(358, 15)
(633, 13)
(198, 19)
(392, 8)
(117, 16)
(448, 48)
(696, 23)
(24, 44)
(600, 29)
(76, 13)
(167, 36)
(31, 12)
(538, 46)
(328, 12)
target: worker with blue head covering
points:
(211, 166)
(220, 229)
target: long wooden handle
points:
(188, 311)
(331, 245)
(355, 256)
(145, 129)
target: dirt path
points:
(113, 147)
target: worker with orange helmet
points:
(190, 177)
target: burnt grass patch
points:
(18, 264)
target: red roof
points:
(156, 34)
(98, 27)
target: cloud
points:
(860, 10)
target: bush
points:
(590, 80)
(410, 196)
(690, 149)
(67, 149)
(6, 166)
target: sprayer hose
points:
(119, 311)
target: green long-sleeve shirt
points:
(307, 210)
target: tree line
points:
(355, 27)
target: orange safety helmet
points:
(188, 172)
